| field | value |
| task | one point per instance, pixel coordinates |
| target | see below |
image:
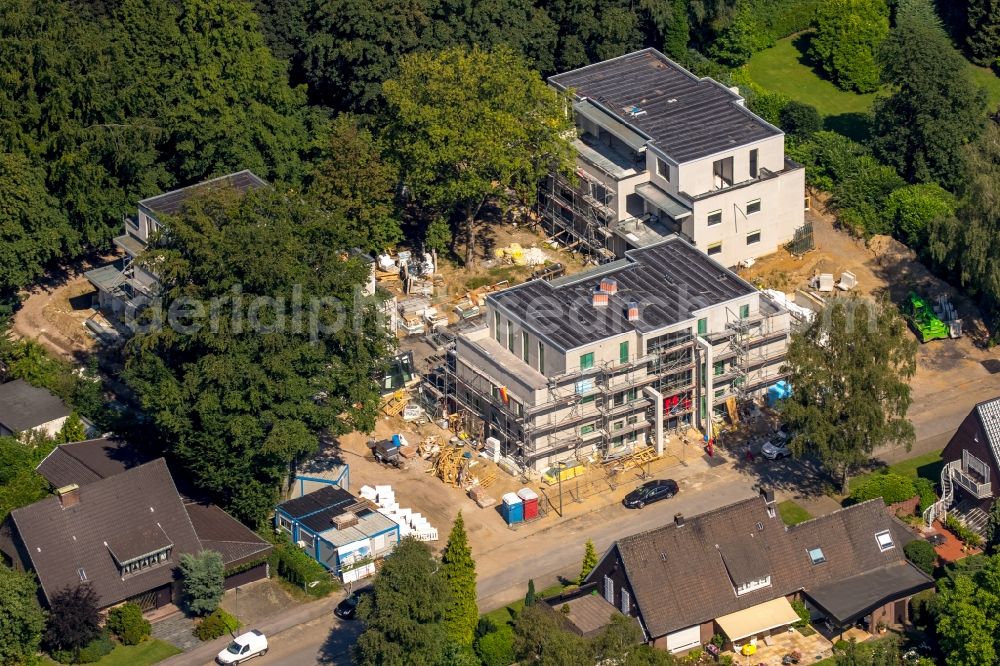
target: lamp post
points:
(236, 604)
(562, 466)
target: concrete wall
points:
(695, 178)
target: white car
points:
(776, 449)
(248, 645)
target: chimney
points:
(633, 311)
(69, 496)
(609, 285)
(767, 494)
(679, 519)
(600, 299)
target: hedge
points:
(890, 487)
(91, 653)
(299, 569)
(922, 555)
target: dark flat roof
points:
(169, 203)
(670, 281)
(688, 118)
(23, 406)
(848, 599)
(324, 498)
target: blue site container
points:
(779, 391)
(512, 508)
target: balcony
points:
(969, 481)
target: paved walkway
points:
(176, 630)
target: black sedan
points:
(649, 492)
(348, 608)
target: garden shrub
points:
(800, 609)
(497, 647)
(299, 569)
(217, 624)
(127, 623)
(96, 649)
(922, 608)
(890, 487)
(928, 495)
(922, 555)
(800, 120)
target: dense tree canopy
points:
(850, 369)
(934, 109)
(404, 618)
(968, 606)
(242, 393)
(472, 128)
(21, 619)
(848, 33)
(984, 31)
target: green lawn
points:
(792, 513)
(785, 68)
(143, 654)
(927, 466)
(506, 614)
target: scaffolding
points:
(578, 215)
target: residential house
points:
(124, 288)
(734, 571)
(344, 533)
(24, 407)
(121, 529)
(609, 359)
(971, 467)
(661, 151)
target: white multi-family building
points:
(661, 151)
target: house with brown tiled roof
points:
(734, 571)
(121, 528)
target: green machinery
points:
(924, 321)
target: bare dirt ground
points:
(950, 377)
(54, 311)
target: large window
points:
(663, 169)
(753, 206)
(753, 163)
(722, 172)
(753, 237)
(587, 361)
(623, 352)
(714, 218)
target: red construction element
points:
(529, 498)
(503, 394)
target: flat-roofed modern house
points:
(971, 468)
(24, 408)
(609, 359)
(124, 288)
(734, 571)
(118, 524)
(661, 151)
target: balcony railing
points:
(979, 490)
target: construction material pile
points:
(521, 256)
(410, 523)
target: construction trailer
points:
(551, 387)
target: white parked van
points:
(251, 644)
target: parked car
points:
(348, 608)
(245, 646)
(649, 492)
(776, 449)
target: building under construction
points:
(611, 359)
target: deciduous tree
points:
(912, 208)
(848, 33)
(474, 127)
(984, 31)
(539, 640)
(967, 622)
(459, 572)
(289, 350)
(744, 36)
(74, 619)
(849, 372)
(404, 618)
(354, 182)
(934, 109)
(203, 577)
(22, 621)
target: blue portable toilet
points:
(396, 441)
(512, 508)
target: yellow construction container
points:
(552, 474)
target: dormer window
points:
(884, 540)
(145, 562)
(753, 585)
